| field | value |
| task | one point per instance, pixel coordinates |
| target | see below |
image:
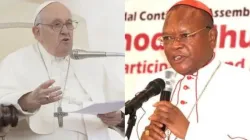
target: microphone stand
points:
(131, 124)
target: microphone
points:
(165, 96)
(152, 89)
(82, 54)
(166, 93)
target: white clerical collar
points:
(48, 58)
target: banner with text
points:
(144, 21)
(143, 25)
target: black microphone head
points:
(158, 85)
(157, 82)
(153, 88)
(160, 82)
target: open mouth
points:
(178, 58)
(65, 39)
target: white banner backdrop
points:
(143, 24)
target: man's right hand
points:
(153, 132)
(44, 94)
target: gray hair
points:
(38, 19)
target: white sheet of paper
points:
(101, 108)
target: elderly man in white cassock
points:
(41, 79)
(210, 99)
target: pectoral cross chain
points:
(60, 114)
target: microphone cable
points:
(137, 131)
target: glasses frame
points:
(64, 24)
(180, 37)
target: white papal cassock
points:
(88, 81)
(222, 93)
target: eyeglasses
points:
(59, 25)
(168, 39)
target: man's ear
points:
(213, 37)
(36, 32)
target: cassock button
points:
(189, 77)
(183, 102)
(185, 87)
